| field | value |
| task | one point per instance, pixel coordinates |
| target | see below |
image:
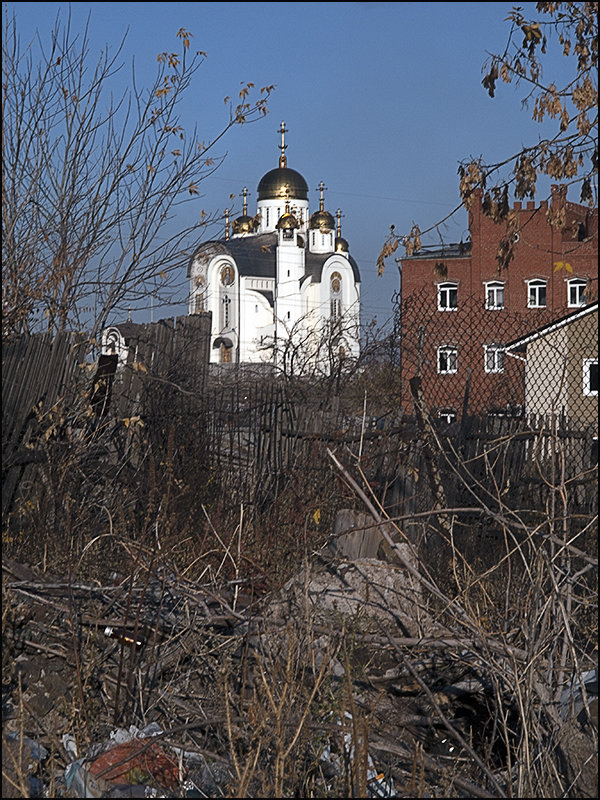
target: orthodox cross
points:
(282, 159)
(321, 187)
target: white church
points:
(281, 286)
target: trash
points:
(130, 764)
(124, 636)
(137, 762)
(31, 753)
(571, 699)
(377, 784)
(33, 749)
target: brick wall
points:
(558, 260)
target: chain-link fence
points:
(472, 359)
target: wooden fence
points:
(38, 372)
(263, 435)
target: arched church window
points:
(226, 318)
(335, 297)
(225, 354)
(112, 342)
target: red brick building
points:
(458, 308)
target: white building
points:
(282, 288)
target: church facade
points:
(281, 286)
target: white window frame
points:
(535, 286)
(444, 293)
(494, 289)
(447, 350)
(578, 286)
(496, 352)
(587, 389)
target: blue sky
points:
(381, 100)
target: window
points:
(447, 359)
(447, 296)
(335, 297)
(536, 294)
(494, 295)
(494, 358)
(225, 312)
(335, 310)
(590, 377)
(576, 292)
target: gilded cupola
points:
(321, 220)
(282, 181)
(341, 245)
(287, 221)
(244, 223)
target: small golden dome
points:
(341, 245)
(243, 224)
(322, 221)
(287, 221)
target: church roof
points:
(256, 256)
(314, 265)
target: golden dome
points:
(282, 182)
(243, 224)
(321, 220)
(287, 221)
(341, 245)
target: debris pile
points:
(343, 683)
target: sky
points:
(382, 101)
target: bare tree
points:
(570, 156)
(91, 179)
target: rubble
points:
(185, 701)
